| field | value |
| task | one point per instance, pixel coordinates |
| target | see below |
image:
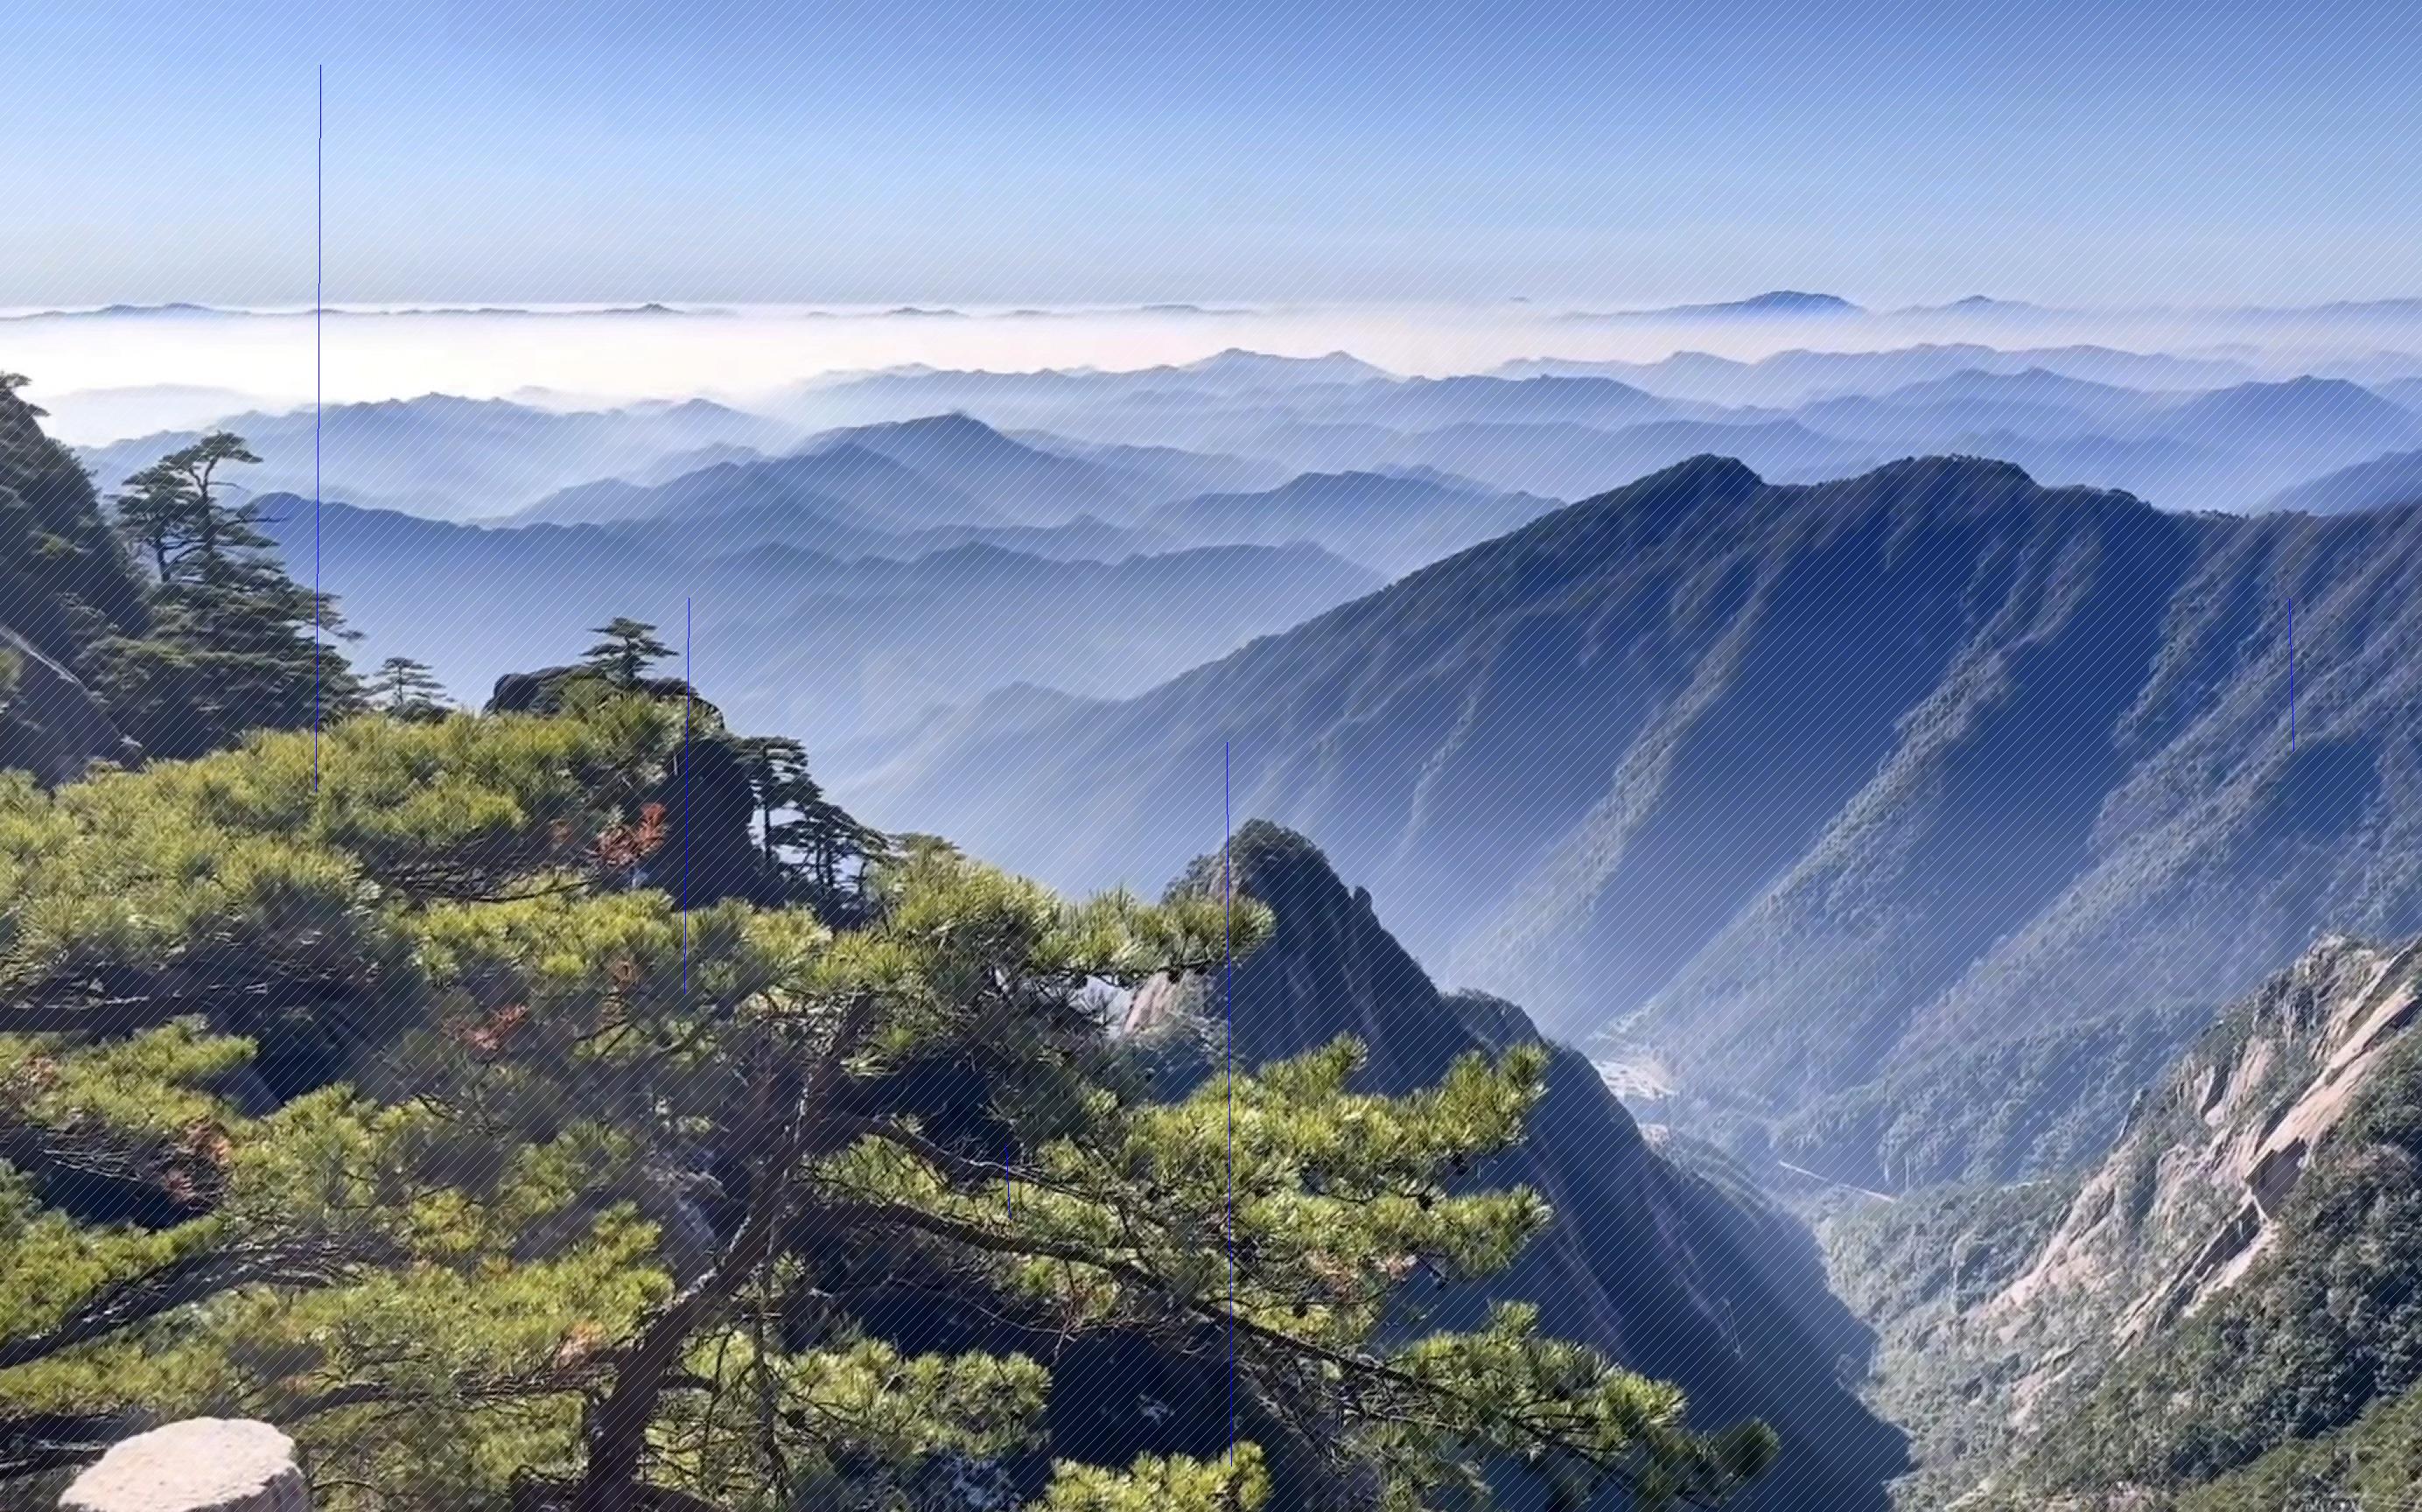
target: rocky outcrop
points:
(64, 584)
(199, 1465)
(49, 722)
(2219, 1248)
(1663, 1269)
(2188, 1197)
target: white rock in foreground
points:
(199, 1465)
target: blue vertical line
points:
(1228, 992)
(318, 301)
(689, 690)
(2291, 675)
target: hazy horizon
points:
(106, 376)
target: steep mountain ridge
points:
(2226, 1141)
(1797, 784)
(2239, 1272)
(64, 584)
(1653, 1265)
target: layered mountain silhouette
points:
(452, 457)
(1773, 305)
(2393, 479)
(1665, 1270)
(1801, 375)
(1795, 785)
(861, 630)
(1391, 521)
(2185, 432)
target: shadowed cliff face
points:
(1655, 1265)
(1802, 785)
(50, 723)
(64, 583)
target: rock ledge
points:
(199, 1465)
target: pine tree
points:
(235, 643)
(218, 541)
(389, 1111)
(155, 517)
(405, 689)
(775, 766)
(630, 647)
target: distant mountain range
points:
(813, 642)
(1797, 376)
(1797, 784)
(916, 449)
(450, 457)
(1775, 304)
(2393, 479)
(2185, 432)
(1393, 521)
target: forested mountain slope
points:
(1800, 786)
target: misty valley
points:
(1762, 904)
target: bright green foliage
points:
(235, 643)
(390, 1109)
(2375, 1463)
(403, 689)
(627, 648)
(1235, 1483)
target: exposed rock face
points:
(542, 691)
(199, 1465)
(2187, 1198)
(2203, 1211)
(63, 578)
(64, 583)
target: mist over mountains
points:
(795, 638)
(1928, 743)
(1882, 774)
(1794, 784)
(459, 458)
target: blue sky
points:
(2066, 150)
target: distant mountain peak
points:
(953, 422)
(1704, 474)
(1977, 304)
(1239, 362)
(1773, 303)
(1792, 299)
